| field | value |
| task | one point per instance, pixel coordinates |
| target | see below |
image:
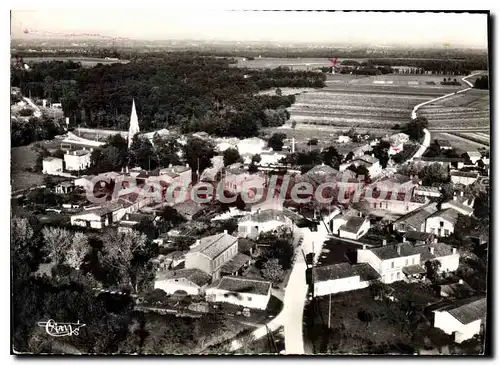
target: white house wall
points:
(339, 285)
(170, 286)
(449, 324)
(249, 300)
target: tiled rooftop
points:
(244, 285)
(213, 246)
(344, 270)
(195, 276)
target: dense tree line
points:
(35, 129)
(197, 93)
(482, 83)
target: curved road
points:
(427, 139)
(291, 316)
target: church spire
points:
(134, 124)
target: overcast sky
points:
(313, 27)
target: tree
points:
(57, 242)
(118, 251)
(415, 128)
(331, 157)
(379, 289)
(312, 142)
(278, 92)
(482, 83)
(276, 141)
(273, 271)
(198, 153)
(142, 154)
(77, 251)
(294, 124)
(231, 155)
(432, 268)
(256, 159)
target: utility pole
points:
(329, 309)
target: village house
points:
(210, 253)
(464, 177)
(403, 260)
(77, 160)
(65, 187)
(252, 225)
(417, 238)
(354, 227)
(427, 191)
(320, 174)
(371, 163)
(190, 281)
(455, 290)
(441, 223)
(454, 162)
(188, 209)
(342, 277)
(461, 204)
(237, 179)
(443, 144)
(181, 175)
(344, 139)
(463, 319)
(415, 221)
(52, 165)
(102, 216)
(245, 292)
(85, 182)
(474, 156)
(360, 151)
(129, 221)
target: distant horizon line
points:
(243, 42)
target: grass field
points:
(464, 141)
(22, 158)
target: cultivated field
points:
(375, 102)
(468, 110)
(465, 141)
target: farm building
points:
(191, 281)
(342, 277)
(52, 165)
(250, 293)
(463, 319)
(65, 187)
(237, 179)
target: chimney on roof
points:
(361, 214)
(404, 238)
(373, 155)
(364, 247)
(225, 231)
(170, 165)
(454, 250)
(398, 248)
(431, 250)
(462, 193)
(187, 165)
(74, 153)
(435, 240)
(460, 281)
(384, 242)
(454, 197)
